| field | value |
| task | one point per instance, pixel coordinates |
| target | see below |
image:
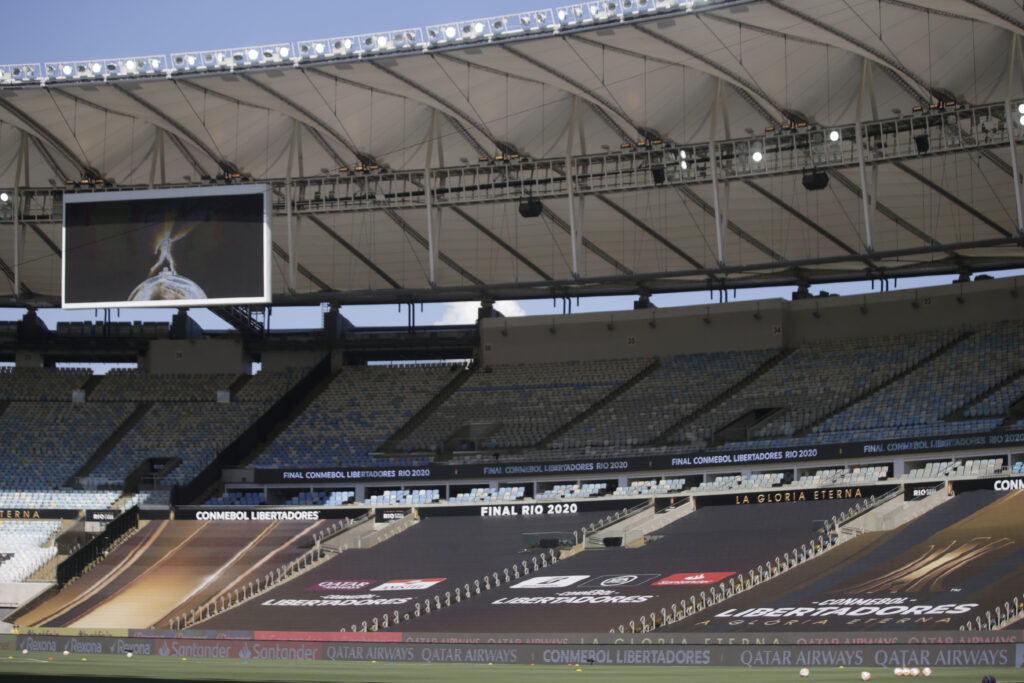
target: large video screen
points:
(181, 247)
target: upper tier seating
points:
(677, 388)
(41, 384)
(185, 420)
(812, 382)
(521, 404)
(45, 443)
(357, 412)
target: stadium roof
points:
(623, 105)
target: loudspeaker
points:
(815, 180)
(658, 174)
(531, 208)
(922, 143)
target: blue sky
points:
(57, 30)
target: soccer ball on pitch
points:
(805, 672)
(865, 675)
(915, 672)
(899, 672)
(926, 671)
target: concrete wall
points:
(197, 356)
(28, 359)
(741, 326)
(276, 361)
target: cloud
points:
(465, 312)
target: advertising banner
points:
(688, 461)
(343, 647)
(793, 495)
(264, 514)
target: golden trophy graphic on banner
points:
(164, 282)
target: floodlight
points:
(319, 48)
(253, 54)
(382, 41)
(130, 65)
(834, 136)
(757, 156)
(284, 51)
(1020, 108)
(1022, 120)
(682, 164)
(449, 32)
(96, 67)
(66, 69)
(4, 196)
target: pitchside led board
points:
(200, 246)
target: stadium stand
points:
(172, 566)
(185, 422)
(810, 383)
(442, 553)
(677, 388)
(515, 406)
(969, 543)
(360, 409)
(713, 540)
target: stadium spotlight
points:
(834, 136)
(757, 156)
(1020, 108)
(682, 159)
(4, 197)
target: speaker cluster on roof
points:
(530, 208)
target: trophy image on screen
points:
(164, 282)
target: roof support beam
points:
(301, 112)
(788, 208)
(58, 174)
(887, 212)
(499, 241)
(864, 48)
(449, 108)
(433, 140)
(170, 123)
(938, 189)
(750, 90)
(282, 254)
(444, 258)
(692, 196)
(663, 241)
(869, 193)
(1003, 16)
(19, 230)
(721, 196)
(1015, 50)
(579, 87)
(605, 256)
(42, 133)
(575, 231)
(366, 261)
